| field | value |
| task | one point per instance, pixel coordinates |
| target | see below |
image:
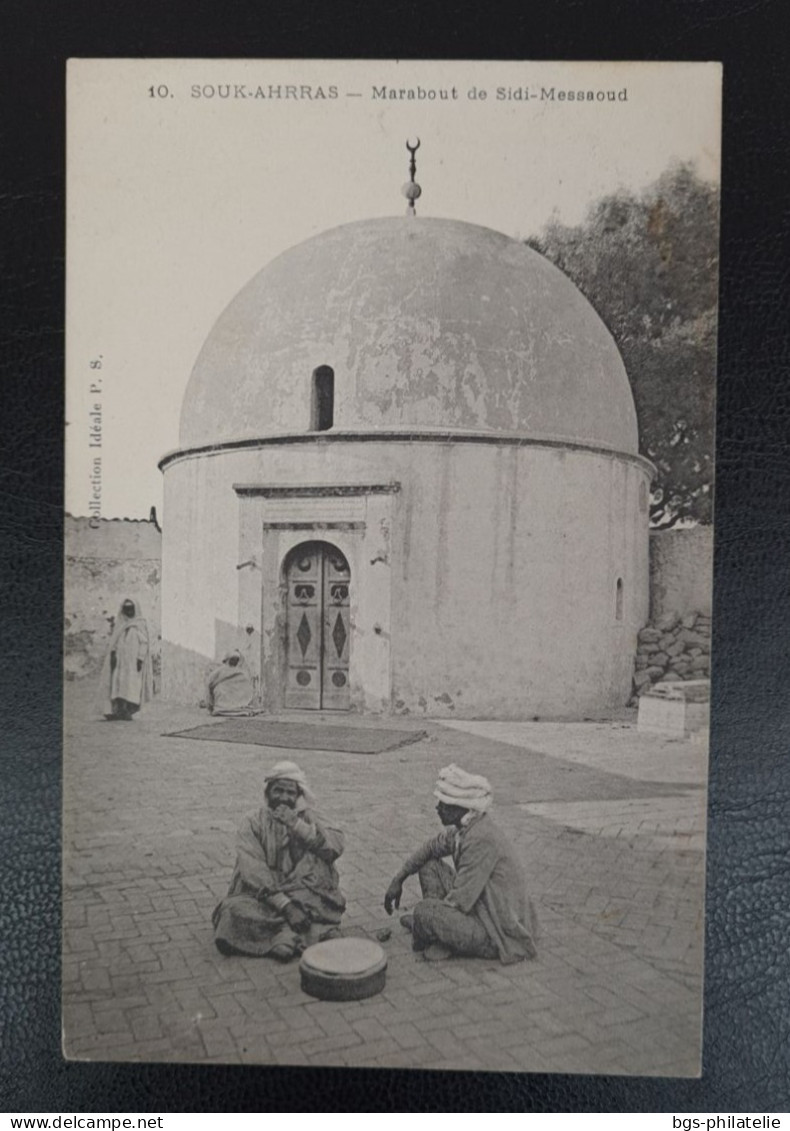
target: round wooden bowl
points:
(343, 969)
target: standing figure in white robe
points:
(126, 679)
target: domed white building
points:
(409, 481)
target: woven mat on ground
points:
(302, 736)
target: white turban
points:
(456, 787)
(289, 771)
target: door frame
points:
(356, 518)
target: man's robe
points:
(275, 865)
(229, 690)
(126, 672)
(488, 884)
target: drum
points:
(343, 969)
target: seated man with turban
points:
(285, 893)
(479, 908)
(229, 690)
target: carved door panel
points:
(304, 618)
(337, 632)
(318, 628)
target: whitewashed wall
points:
(502, 568)
(681, 571)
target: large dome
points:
(427, 324)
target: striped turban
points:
(456, 787)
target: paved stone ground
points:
(609, 824)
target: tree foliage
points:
(648, 264)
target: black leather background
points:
(748, 957)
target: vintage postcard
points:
(390, 402)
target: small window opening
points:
(618, 601)
(323, 398)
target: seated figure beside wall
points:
(229, 689)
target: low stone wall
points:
(673, 648)
(105, 562)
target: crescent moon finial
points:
(411, 190)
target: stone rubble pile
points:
(674, 648)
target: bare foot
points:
(436, 953)
(282, 952)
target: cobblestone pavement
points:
(614, 859)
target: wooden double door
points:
(318, 628)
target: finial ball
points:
(411, 190)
